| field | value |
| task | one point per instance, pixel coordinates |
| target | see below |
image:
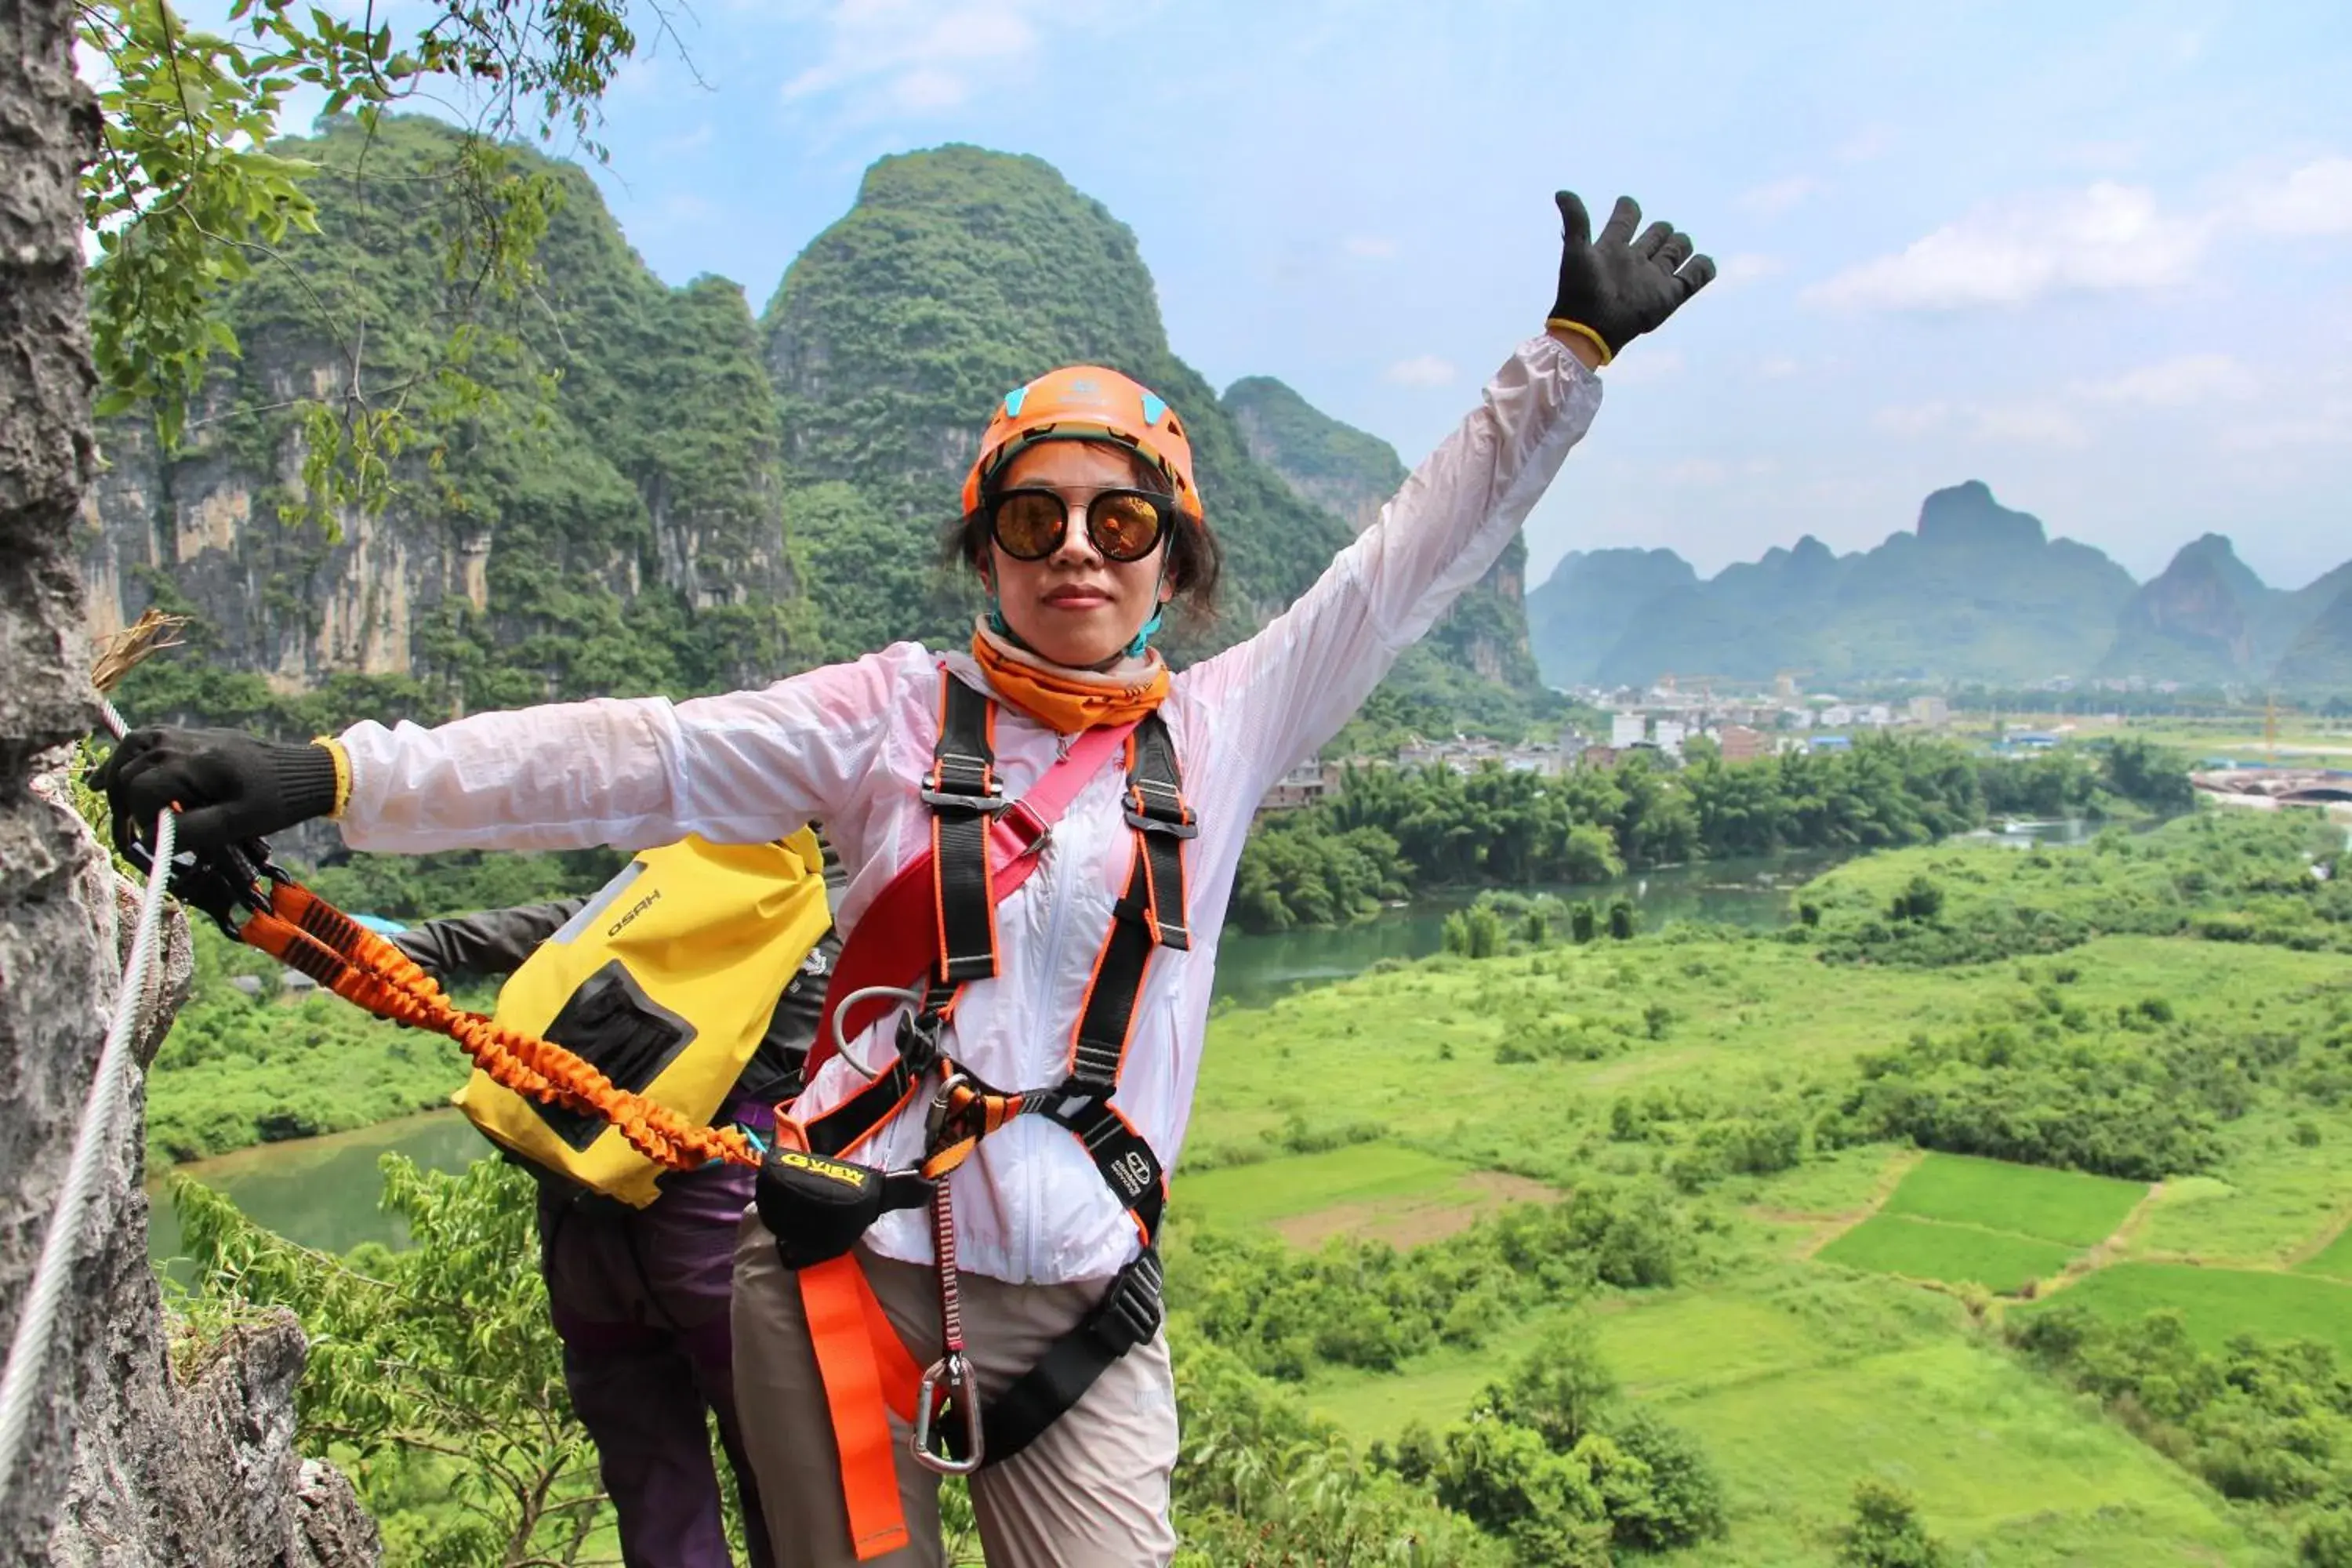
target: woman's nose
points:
(1077, 546)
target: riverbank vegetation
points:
(1393, 832)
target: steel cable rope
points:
(29, 1350)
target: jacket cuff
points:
(314, 780)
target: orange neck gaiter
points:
(1068, 701)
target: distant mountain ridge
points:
(1975, 592)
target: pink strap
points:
(891, 943)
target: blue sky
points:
(2099, 256)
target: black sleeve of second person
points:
(491, 943)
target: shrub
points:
(1886, 1532)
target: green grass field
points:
(1954, 1254)
(2334, 1261)
(1303, 1184)
(2027, 1200)
(2215, 1303)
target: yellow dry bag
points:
(666, 980)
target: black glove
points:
(1621, 287)
(816, 1208)
(227, 785)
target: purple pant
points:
(640, 1298)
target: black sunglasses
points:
(1122, 524)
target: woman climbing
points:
(1041, 834)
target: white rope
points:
(108, 1090)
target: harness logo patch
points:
(817, 1165)
(1134, 1172)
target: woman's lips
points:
(1076, 598)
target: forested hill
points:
(605, 522)
(1977, 592)
(662, 494)
(1353, 473)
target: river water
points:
(323, 1191)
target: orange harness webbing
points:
(304, 931)
(868, 1376)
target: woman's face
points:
(1075, 606)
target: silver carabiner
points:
(841, 1015)
(963, 1381)
(937, 1117)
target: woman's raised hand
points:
(1616, 288)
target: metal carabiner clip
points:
(938, 1116)
(961, 1380)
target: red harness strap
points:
(899, 935)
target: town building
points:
(1741, 744)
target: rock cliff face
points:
(124, 1464)
(607, 520)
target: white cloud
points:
(1369, 246)
(2314, 199)
(1747, 267)
(1919, 419)
(1421, 369)
(2327, 425)
(1779, 196)
(2028, 425)
(2039, 424)
(1694, 471)
(1645, 363)
(2107, 237)
(1780, 367)
(2180, 383)
(913, 57)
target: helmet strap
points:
(1142, 640)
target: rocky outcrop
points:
(124, 1465)
(2205, 619)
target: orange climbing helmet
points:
(1086, 402)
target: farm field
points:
(2215, 1303)
(1953, 1254)
(1837, 1311)
(1378, 1190)
(2333, 1262)
(2025, 1200)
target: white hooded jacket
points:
(845, 745)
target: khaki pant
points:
(1091, 1493)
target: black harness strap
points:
(964, 796)
(1129, 1314)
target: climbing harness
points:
(921, 946)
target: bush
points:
(1886, 1532)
